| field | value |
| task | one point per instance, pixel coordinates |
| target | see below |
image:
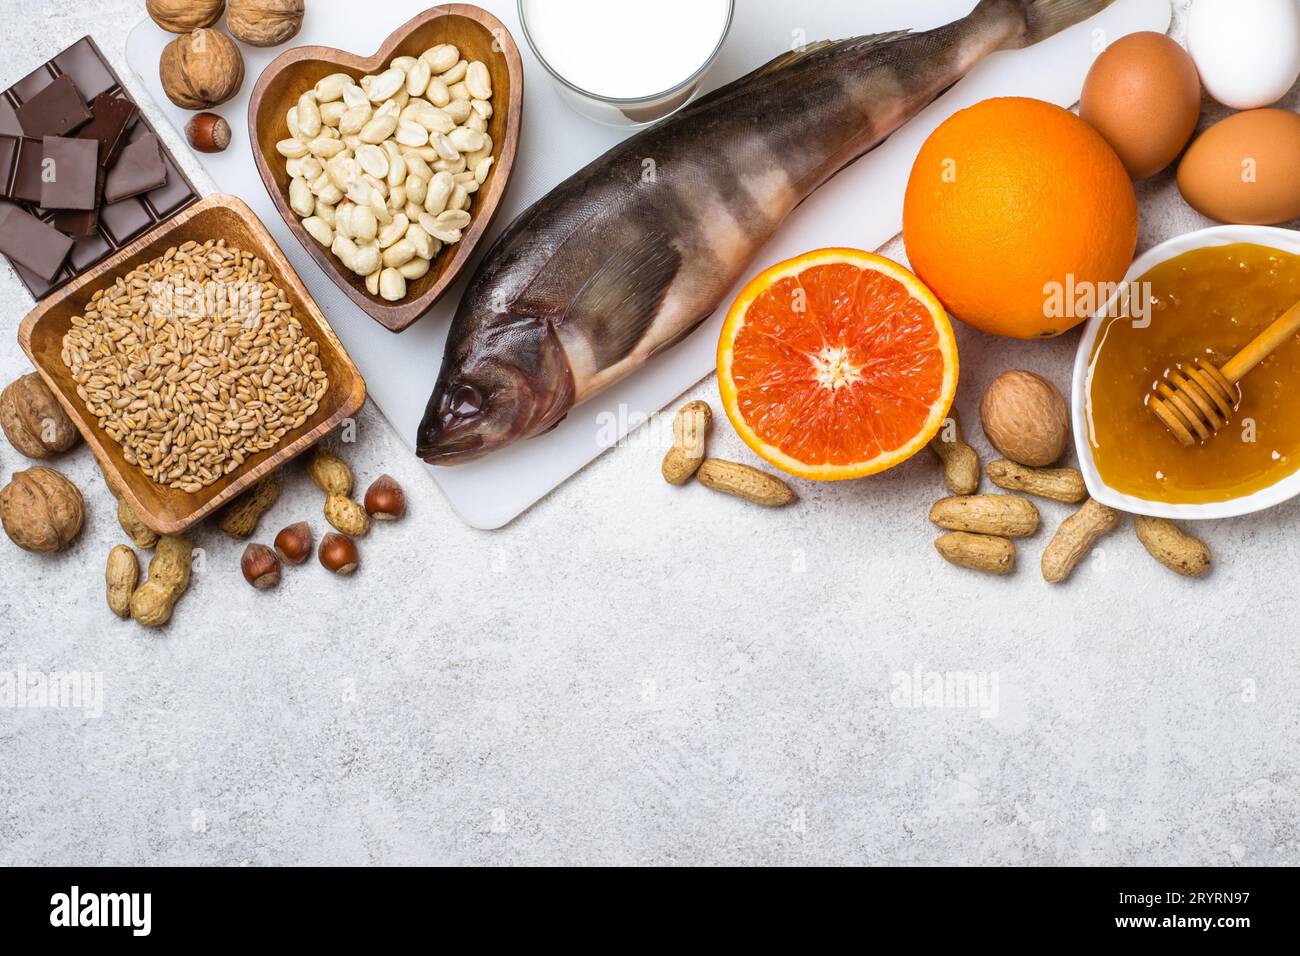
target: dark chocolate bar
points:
(54, 111)
(96, 233)
(69, 173)
(31, 243)
(138, 170)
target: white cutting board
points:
(862, 207)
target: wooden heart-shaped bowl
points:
(479, 36)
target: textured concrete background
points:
(638, 674)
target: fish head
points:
(506, 379)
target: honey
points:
(1210, 303)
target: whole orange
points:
(1017, 214)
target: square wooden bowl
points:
(479, 36)
(167, 510)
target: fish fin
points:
(621, 299)
(1040, 19)
(616, 298)
(787, 60)
(791, 59)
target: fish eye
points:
(466, 400)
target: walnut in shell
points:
(182, 16)
(41, 510)
(265, 22)
(33, 420)
(201, 69)
(1026, 418)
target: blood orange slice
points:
(837, 364)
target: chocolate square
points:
(124, 220)
(54, 111)
(73, 222)
(81, 62)
(138, 170)
(9, 125)
(112, 117)
(87, 251)
(31, 243)
(37, 286)
(167, 199)
(33, 83)
(69, 173)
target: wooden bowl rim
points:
(242, 480)
(398, 316)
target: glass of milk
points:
(622, 62)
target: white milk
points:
(626, 49)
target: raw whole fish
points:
(632, 253)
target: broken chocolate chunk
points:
(138, 170)
(112, 118)
(69, 173)
(31, 243)
(54, 111)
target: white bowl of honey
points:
(1205, 295)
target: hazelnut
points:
(338, 553)
(293, 544)
(385, 499)
(208, 133)
(33, 420)
(1026, 418)
(41, 510)
(265, 22)
(201, 69)
(260, 566)
(182, 16)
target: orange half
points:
(837, 364)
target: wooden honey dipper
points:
(1198, 400)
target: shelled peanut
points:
(1058, 484)
(961, 463)
(742, 481)
(239, 518)
(978, 552)
(141, 535)
(383, 170)
(332, 476)
(121, 575)
(690, 432)
(153, 601)
(1075, 538)
(1006, 516)
(1177, 550)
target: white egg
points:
(1247, 51)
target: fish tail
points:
(1037, 19)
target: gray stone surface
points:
(633, 673)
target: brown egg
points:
(1245, 169)
(1144, 96)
